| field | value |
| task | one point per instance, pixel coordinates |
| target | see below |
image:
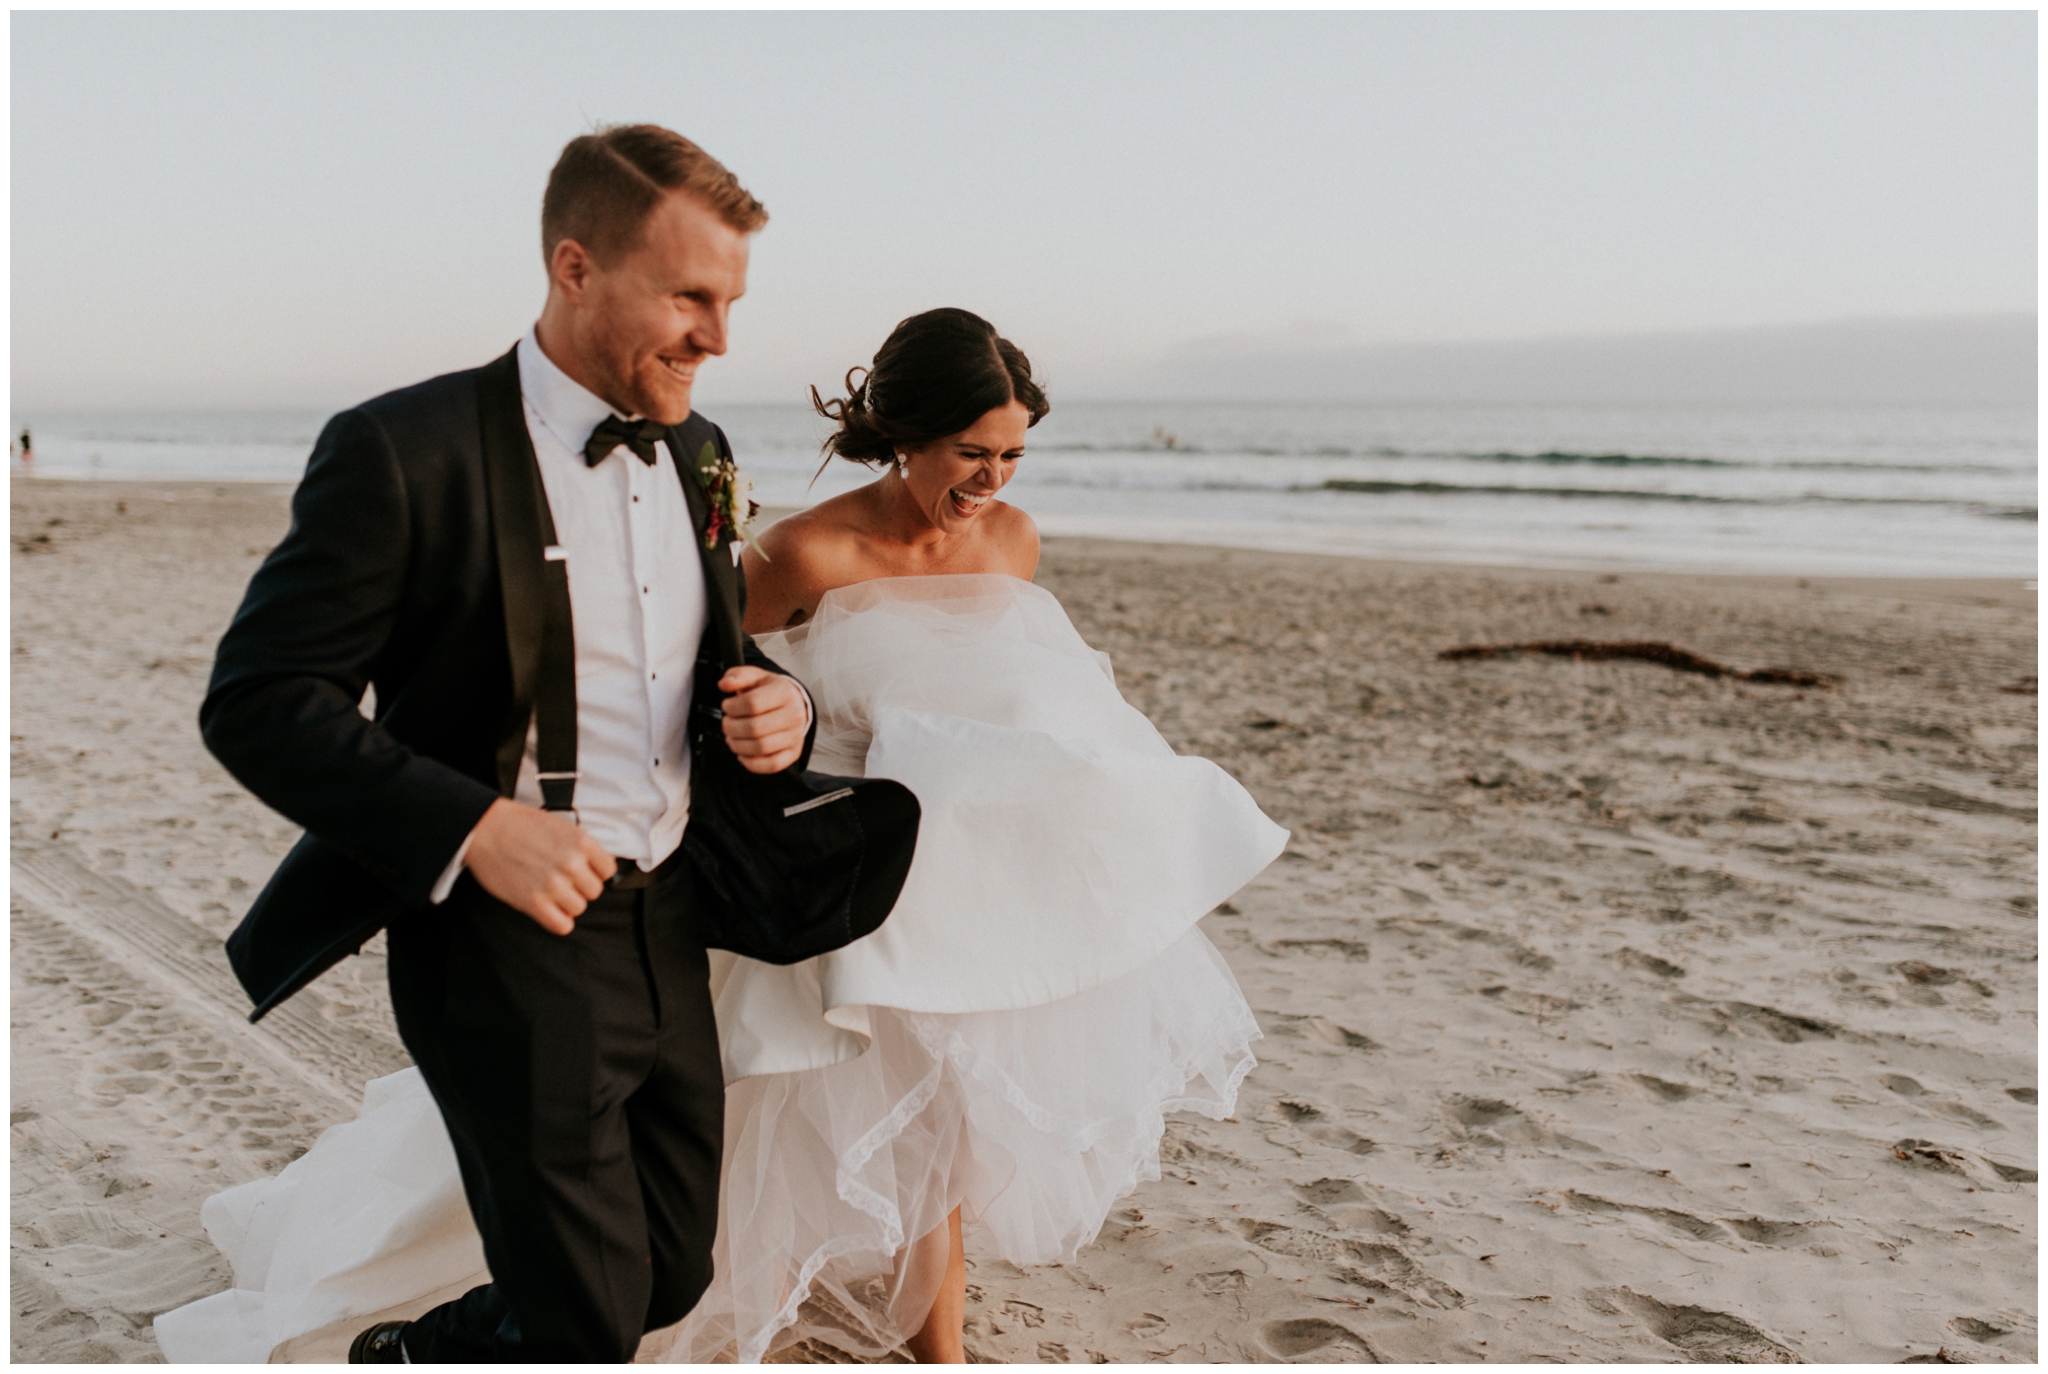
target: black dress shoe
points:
(379, 1345)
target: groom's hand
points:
(538, 862)
(765, 718)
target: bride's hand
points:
(765, 718)
(538, 862)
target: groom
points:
(543, 968)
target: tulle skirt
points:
(1033, 1122)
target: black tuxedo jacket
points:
(415, 510)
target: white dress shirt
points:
(636, 591)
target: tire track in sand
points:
(149, 1091)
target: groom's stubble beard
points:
(623, 326)
(635, 381)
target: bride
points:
(999, 1056)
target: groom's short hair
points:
(606, 184)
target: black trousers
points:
(579, 1077)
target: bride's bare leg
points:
(941, 1341)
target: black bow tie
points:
(637, 435)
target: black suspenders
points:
(533, 577)
(555, 704)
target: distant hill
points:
(1985, 359)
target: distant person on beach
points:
(28, 451)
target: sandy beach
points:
(1612, 1012)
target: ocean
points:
(1869, 491)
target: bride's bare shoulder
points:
(797, 560)
(1015, 535)
(820, 531)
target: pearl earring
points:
(902, 466)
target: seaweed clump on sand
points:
(1649, 651)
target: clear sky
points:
(288, 209)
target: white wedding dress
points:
(1008, 1043)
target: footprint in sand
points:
(1705, 1336)
(1325, 1192)
(1300, 1336)
(1369, 1264)
(1320, 1029)
(1647, 963)
(1661, 1089)
(1926, 1154)
(1479, 1111)
(1763, 1231)
(1953, 1110)
(1781, 1026)
(1373, 1220)
(1296, 1112)
(2009, 1337)
(1683, 1222)
(1342, 1138)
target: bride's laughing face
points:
(955, 479)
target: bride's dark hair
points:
(936, 374)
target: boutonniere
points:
(731, 497)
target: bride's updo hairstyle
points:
(936, 374)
